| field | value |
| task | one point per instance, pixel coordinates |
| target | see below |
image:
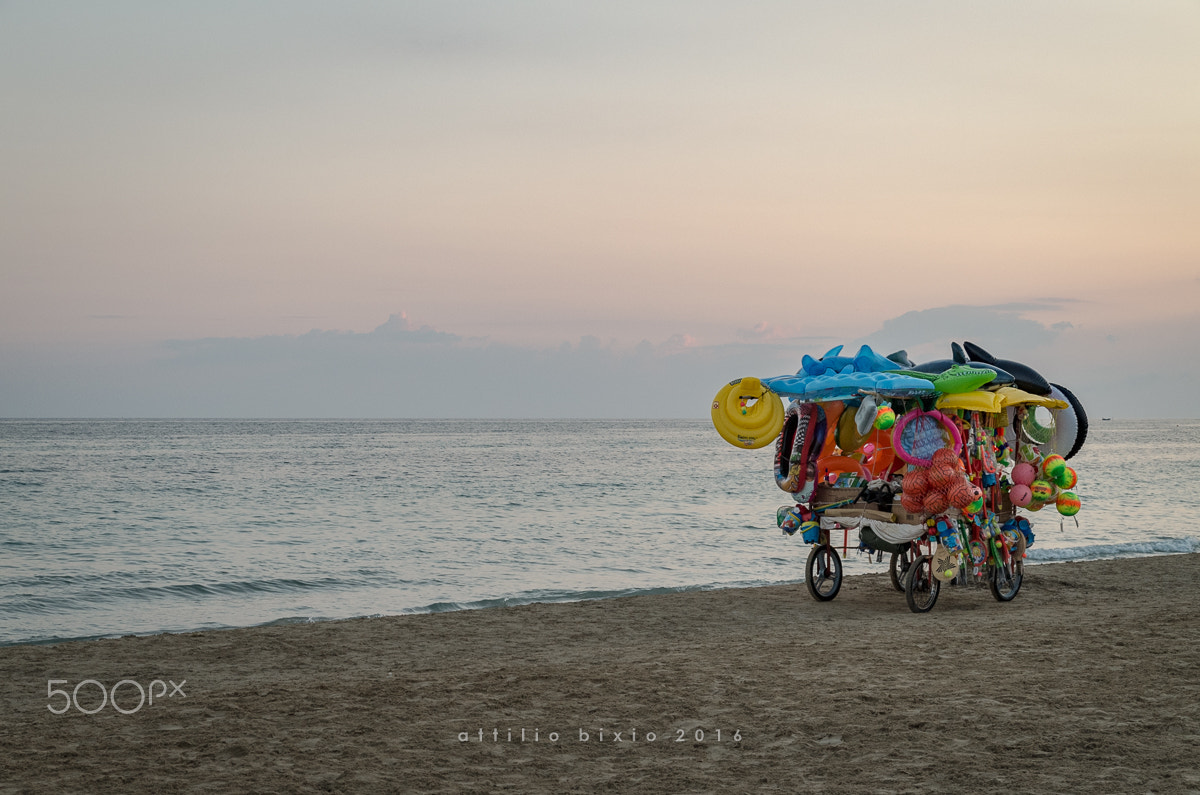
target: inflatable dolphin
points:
(1026, 377)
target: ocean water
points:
(116, 527)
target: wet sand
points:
(1089, 681)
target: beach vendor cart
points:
(928, 464)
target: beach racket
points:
(945, 564)
(919, 434)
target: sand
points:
(1089, 681)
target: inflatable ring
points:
(1071, 427)
(798, 445)
(833, 415)
(840, 463)
(1036, 432)
(747, 414)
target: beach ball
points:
(1024, 474)
(1042, 491)
(885, 418)
(1068, 504)
(935, 502)
(1053, 466)
(1067, 478)
(1020, 495)
(975, 506)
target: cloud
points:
(401, 369)
(398, 369)
(765, 331)
(1003, 329)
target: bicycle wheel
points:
(1006, 579)
(898, 568)
(823, 572)
(921, 588)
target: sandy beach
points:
(1088, 682)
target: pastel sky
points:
(482, 208)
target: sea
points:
(119, 527)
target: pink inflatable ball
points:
(1024, 474)
(1020, 495)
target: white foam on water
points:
(1132, 549)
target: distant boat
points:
(1105, 419)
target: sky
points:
(471, 208)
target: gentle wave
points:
(516, 600)
(1132, 549)
(46, 603)
(560, 597)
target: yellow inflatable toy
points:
(747, 414)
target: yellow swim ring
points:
(747, 414)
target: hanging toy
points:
(1020, 495)
(885, 417)
(1053, 466)
(1042, 491)
(1024, 474)
(797, 518)
(1067, 478)
(789, 518)
(1011, 537)
(1068, 503)
(865, 416)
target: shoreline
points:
(1169, 547)
(1085, 681)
